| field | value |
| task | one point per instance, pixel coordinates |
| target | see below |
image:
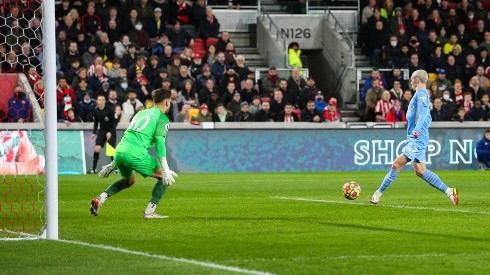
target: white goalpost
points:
(50, 132)
(28, 122)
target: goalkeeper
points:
(148, 128)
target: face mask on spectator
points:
(471, 17)
(393, 43)
(446, 97)
(124, 85)
(67, 98)
(87, 101)
(138, 27)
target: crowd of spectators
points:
(449, 39)
(124, 49)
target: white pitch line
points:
(168, 258)
(384, 205)
(348, 257)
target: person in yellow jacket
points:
(293, 55)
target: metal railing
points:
(278, 34)
(345, 35)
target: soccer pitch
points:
(281, 223)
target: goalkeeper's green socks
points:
(156, 196)
(116, 187)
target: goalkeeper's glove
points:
(168, 175)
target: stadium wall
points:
(277, 147)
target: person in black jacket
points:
(105, 117)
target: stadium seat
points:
(297, 111)
(211, 41)
(193, 112)
(7, 84)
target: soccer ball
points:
(351, 190)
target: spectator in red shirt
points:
(396, 113)
(331, 113)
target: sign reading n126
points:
(296, 33)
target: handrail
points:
(345, 36)
(279, 34)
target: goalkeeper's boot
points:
(453, 196)
(375, 197)
(154, 216)
(107, 170)
(95, 206)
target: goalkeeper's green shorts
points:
(127, 164)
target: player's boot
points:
(107, 170)
(154, 216)
(375, 197)
(453, 196)
(92, 171)
(95, 206)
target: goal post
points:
(28, 121)
(50, 132)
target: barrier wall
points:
(278, 147)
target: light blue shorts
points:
(415, 151)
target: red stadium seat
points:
(7, 84)
(211, 41)
(297, 111)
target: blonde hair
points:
(421, 75)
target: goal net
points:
(22, 150)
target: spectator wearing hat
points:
(196, 66)
(155, 26)
(166, 83)
(209, 25)
(287, 114)
(331, 113)
(320, 103)
(142, 88)
(204, 115)
(269, 82)
(244, 114)
(441, 81)
(394, 22)
(392, 53)
(204, 76)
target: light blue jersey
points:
(419, 119)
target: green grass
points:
(247, 221)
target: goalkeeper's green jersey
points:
(148, 128)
